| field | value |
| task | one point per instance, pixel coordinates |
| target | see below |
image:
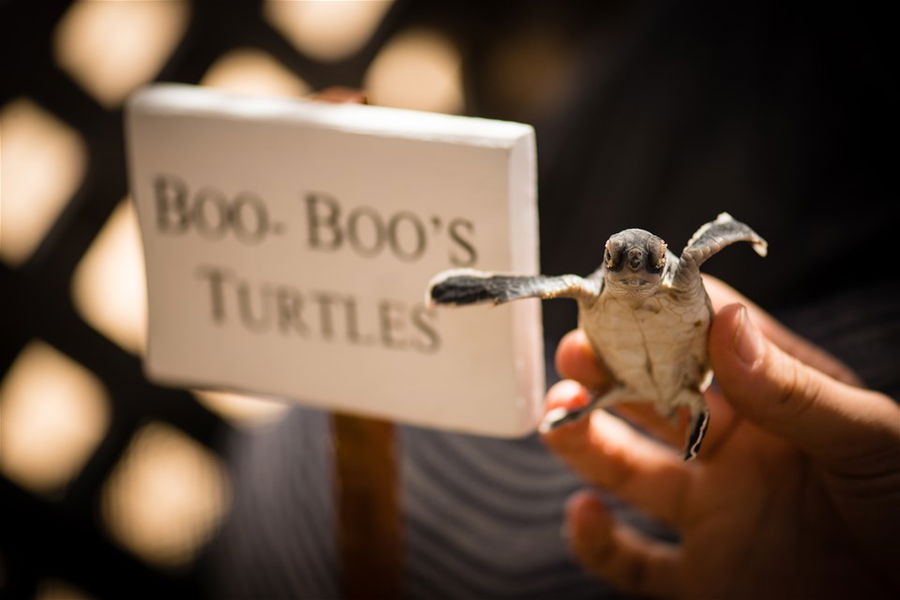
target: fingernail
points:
(748, 342)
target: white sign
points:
(289, 243)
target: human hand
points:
(796, 492)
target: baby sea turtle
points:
(645, 312)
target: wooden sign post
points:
(370, 532)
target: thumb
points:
(837, 424)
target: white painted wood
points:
(264, 301)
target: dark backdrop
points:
(668, 113)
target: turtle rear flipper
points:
(560, 416)
(696, 433)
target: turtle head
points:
(635, 260)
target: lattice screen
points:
(92, 451)
(665, 131)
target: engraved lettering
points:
(290, 308)
(407, 251)
(469, 256)
(325, 302)
(423, 321)
(366, 240)
(391, 323)
(171, 204)
(216, 279)
(210, 213)
(267, 308)
(261, 321)
(322, 214)
(249, 218)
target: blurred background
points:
(658, 115)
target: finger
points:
(571, 395)
(722, 294)
(340, 95)
(644, 415)
(606, 452)
(575, 359)
(618, 554)
(831, 421)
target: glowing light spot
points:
(43, 162)
(531, 72)
(56, 589)
(249, 411)
(253, 72)
(326, 30)
(53, 413)
(111, 48)
(418, 69)
(165, 497)
(108, 287)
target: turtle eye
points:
(656, 258)
(608, 257)
(614, 255)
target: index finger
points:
(607, 452)
(575, 359)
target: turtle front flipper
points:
(709, 239)
(467, 286)
(699, 425)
